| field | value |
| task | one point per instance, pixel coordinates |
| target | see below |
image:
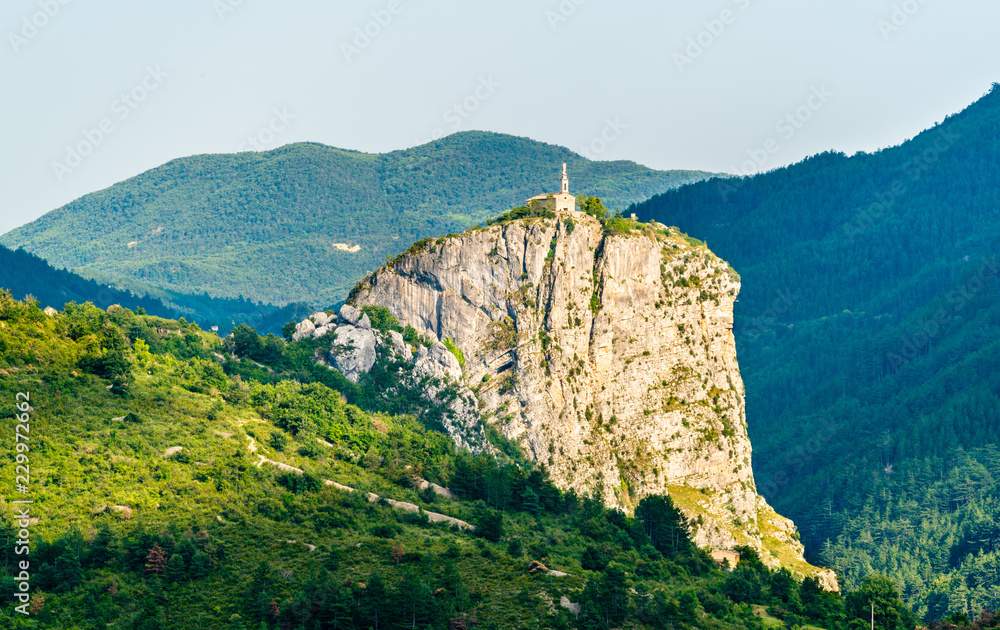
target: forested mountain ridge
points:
(304, 222)
(24, 275)
(867, 339)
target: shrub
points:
(381, 318)
(455, 350)
(490, 526)
(278, 441)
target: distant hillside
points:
(25, 274)
(867, 331)
(305, 222)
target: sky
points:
(97, 92)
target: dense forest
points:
(173, 490)
(867, 336)
(25, 275)
(303, 223)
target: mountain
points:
(304, 222)
(25, 274)
(604, 350)
(167, 491)
(867, 336)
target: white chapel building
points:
(561, 201)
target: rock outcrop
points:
(607, 354)
(353, 351)
(434, 371)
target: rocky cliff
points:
(607, 353)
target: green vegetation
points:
(594, 207)
(158, 507)
(523, 212)
(305, 222)
(866, 332)
(455, 350)
(25, 274)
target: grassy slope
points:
(267, 226)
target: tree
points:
(664, 524)
(491, 526)
(530, 502)
(176, 570)
(594, 207)
(890, 611)
(396, 555)
(201, 564)
(744, 586)
(375, 606)
(156, 561)
(244, 342)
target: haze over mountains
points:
(304, 222)
(867, 337)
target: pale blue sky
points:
(218, 72)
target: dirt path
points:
(434, 517)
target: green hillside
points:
(25, 275)
(867, 332)
(159, 504)
(305, 222)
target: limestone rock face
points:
(399, 346)
(320, 319)
(610, 358)
(349, 314)
(353, 352)
(437, 362)
(303, 330)
(436, 373)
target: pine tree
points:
(176, 570)
(156, 561)
(531, 503)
